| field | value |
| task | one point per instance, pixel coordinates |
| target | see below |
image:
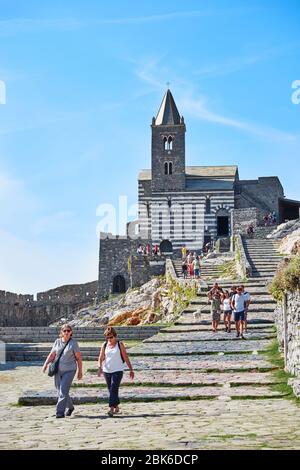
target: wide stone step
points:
(206, 326)
(189, 319)
(199, 348)
(208, 336)
(180, 377)
(254, 309)
(34, 339)
(147, 394)
(257, 300)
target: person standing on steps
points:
(226, 304)
(238, 303)
(196, 267)
(214, 297)
(70, 360)
(247, 298)
(111, 361)
(184, 268)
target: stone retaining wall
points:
(243, 267)
(292, 331)
(36, 313)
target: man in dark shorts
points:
(238, 303)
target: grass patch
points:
(204, 371)
(233, 436)
(254, 384)
(275, 357)
(227, 270)
(151, 384)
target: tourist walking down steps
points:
(111, 361)
(66, 352)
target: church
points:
(191, 205)
(183, 205)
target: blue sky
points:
(83, 80)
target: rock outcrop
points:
(289, 233)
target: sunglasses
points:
(67, 331)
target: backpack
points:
(105, 344)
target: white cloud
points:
(190, 104)
(198, 108)
(236, 64)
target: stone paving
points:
(193, 390)
(207, 424)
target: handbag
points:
(53, 366)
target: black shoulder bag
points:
(53, 366)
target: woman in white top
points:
(227, 310)
(111, 361)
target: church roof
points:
(212, 171)
(209, 184)
(168, 113)
(198, 172)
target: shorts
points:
(227, 313)
(239, 316)
(216, 316)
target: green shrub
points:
(286, 279)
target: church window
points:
(160, 224)
(207, 206)
(170, 143)
(168, 168)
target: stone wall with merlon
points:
(262, 193)
(70, 293)
(114, 253)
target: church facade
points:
(191, 205)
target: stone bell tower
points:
(168, 147)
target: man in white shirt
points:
(247, 298)
(238, 304)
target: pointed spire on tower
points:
(168, 113)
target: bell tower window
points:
(168, 143)
(168, 168)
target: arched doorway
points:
(222, 223)
(166, 247)
(118, 284)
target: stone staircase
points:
(262, 255)
(207, 269)
(34, 343)
(187, 361)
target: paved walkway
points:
(193, 390)
(200, 424)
